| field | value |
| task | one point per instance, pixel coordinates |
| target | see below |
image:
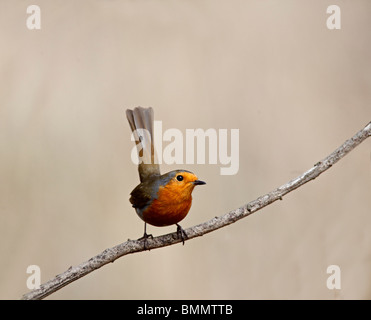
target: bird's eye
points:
(179, 178)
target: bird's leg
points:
(145, 236)
(181, 233)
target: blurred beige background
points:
(272, 69)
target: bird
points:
(159, 199)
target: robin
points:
(160, 199)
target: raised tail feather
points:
(141, 124)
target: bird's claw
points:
(181, 233)
(144, 238)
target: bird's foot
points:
(181, 233)
(145, 237)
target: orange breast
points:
(169, 208)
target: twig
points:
(132, 246)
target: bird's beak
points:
(198, 182)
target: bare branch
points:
(132, 246)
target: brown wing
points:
(141, 196)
